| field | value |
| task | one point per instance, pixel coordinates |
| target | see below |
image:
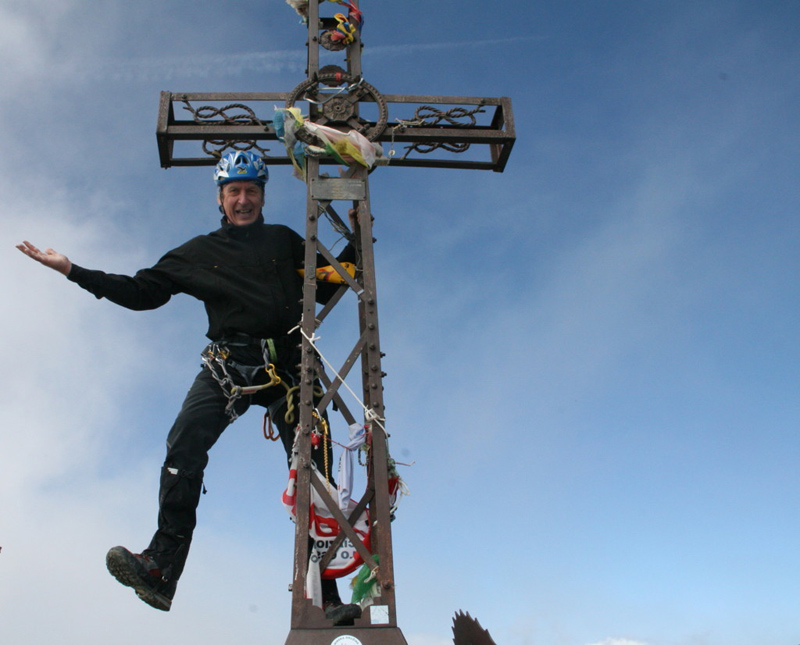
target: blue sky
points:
(592, 357)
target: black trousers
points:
(199, 424)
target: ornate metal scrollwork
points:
(427, 116)
(209, 114)
(341, 108)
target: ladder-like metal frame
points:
(309, 624)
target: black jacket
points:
(245, 275)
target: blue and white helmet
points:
(241, 165)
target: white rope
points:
(369, 414)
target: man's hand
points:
(49, 258)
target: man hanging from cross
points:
(246, 274)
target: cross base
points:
(347, 636)
(375, 627)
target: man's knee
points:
(199, 424)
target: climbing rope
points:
(325, 439)
(370, 415)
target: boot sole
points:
(124, 568)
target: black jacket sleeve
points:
(148, 289)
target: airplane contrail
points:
(205, 65)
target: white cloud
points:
(62, 387)
(51, 42)
(21, 46)
(31, 35)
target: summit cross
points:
(435, 132)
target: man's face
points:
(241, 201)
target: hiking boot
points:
(342, 614)
(142, 574)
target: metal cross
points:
(433, 131)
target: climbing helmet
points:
(241, 165)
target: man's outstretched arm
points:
(49, 258)
(148, 289)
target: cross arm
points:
(423, 131)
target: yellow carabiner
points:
(274, 378)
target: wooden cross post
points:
(440, 132)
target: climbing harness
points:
(217, 358)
